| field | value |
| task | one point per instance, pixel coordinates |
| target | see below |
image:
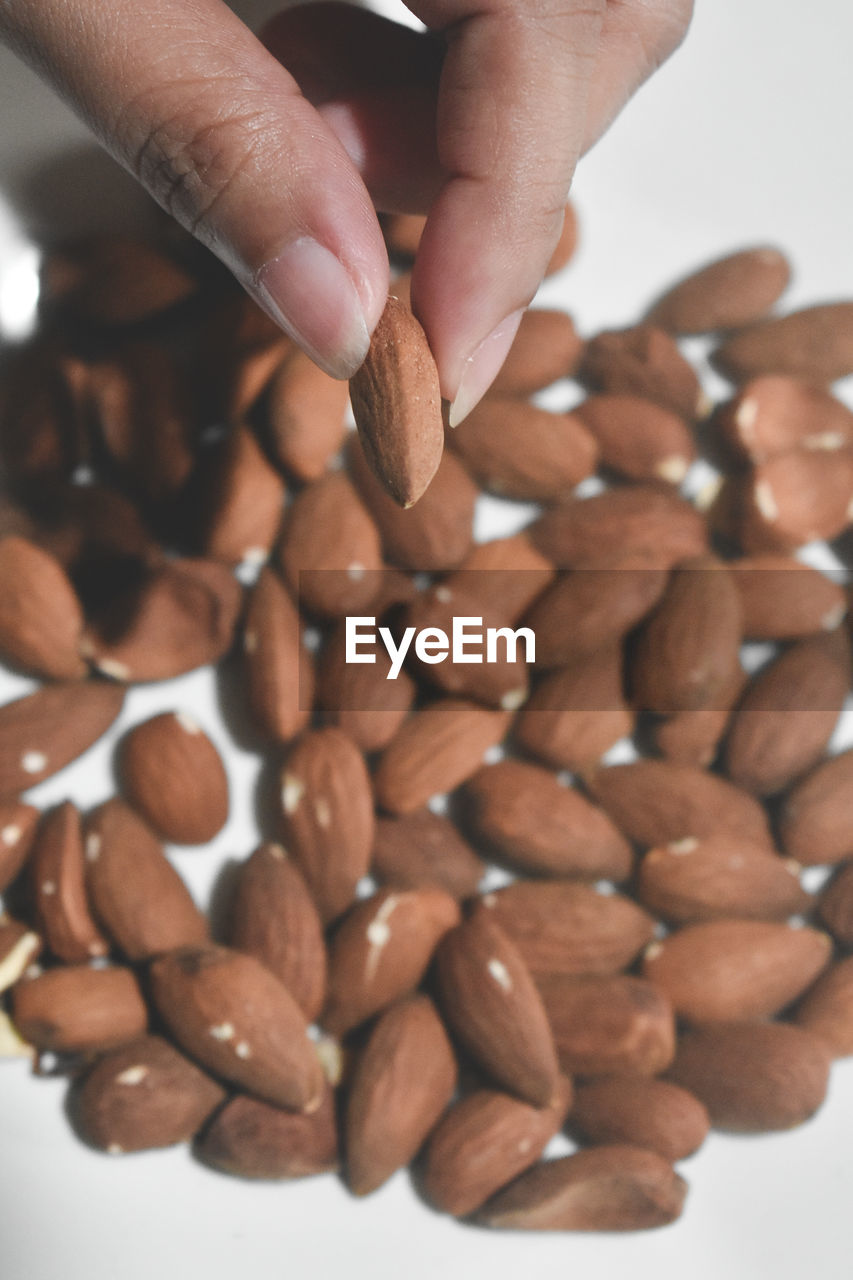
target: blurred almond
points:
(638, 438)
(360, 698)
(776, 412)
(725, 294)
(588, 609)
(58, 877)
(305, 416)
(18, 824)
(642, 361)
(235, 502)
(253, 1139)
(814, 343)
(41, 619)
(816, 819)
(422, 848)
(75, 1009)
(644, 526)
(644, 1112)
(826, 1009)
(546, 347)
(279, 669)
(609, 1024)
(20, 947)
(44, 731)
(174, 776)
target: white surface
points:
(743, 138)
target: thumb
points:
(184, 96)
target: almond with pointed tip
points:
(423, 848)
(491, 1004)
(797, 497)
(639, 1110)
(775, 412)
(58, 876)
(642, 361)
(361, 698)
(396, 403)
(814, 343)
(304, 423)
(76, 1009)
(816, 818)
(174, 776)
(507, 572)
(826, 1009)
(44, 731)
(228, 1012)
(609, 1024)
(637, 438)
(18, 823)
(41, 619)
(279, 669)
(546, 347)
(586, 610)
(784, 599)
(235, 500)
(725, 294)
(253, 1139)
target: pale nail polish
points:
(309, 292)
(482, 366)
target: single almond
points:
(58, 877)
(44, 731)
(235, 501)
(784, 599)
(174, 776)
(75, 1009)
(816, 819)
(835, 905)
(694, 737)
(396, 403)
(279, 669)
(506, 572)
(643, 1112)
(546, 347)
(727, 293)
(638, 438)
(797, 497)
(41, 619)
(422, 848)
(609, 1024)
(642, 361)
(826, 1010)
(361, 698)
(253, 1139)
(304, 421)
(776, 412)
(814, 343)
(18, 823)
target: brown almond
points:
(40, 428)
(797, 497)
(654, 1114)
(546, 347)
(687, 649)
(645, 526)
(816, 819)
(305, 416)
(18, 824)
(41, 619)
(58, 877)
(775, 412)
(826, 1009)
(785, 719)
(610, 1188)
(491, 1004)
(144, 1095)
(515, 449)
(253, 1139)
(20, 946)
(380, 951)
(531, 820)
(402, 1081)
(44, 731)
(727, 293)
(329, 548)
(814, 343)
(642, 361)
(279, 669)
(75, 1009)
(657, 801)
(251, 371)
(693, 737)
(174, 776)
(735, 970)
(236, 500)
(508, 573)
(588, 609)
(361, 698)
(484, 1141)
(137, 895)
(784, 599)
(638, 438)
(227, 1011)
(327, 817)
(433, 751)
(723, 875)
(422, 848)
(396, 403)
(570, 929)
(753, 1077)
(113, 280)
(434, 535)
(835, 906)
(612, 1024)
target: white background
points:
(743, 137)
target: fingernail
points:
(309, 292)
(482, 366)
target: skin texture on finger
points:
(187, 98)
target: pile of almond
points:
(466, 929)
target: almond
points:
(588, 609)
(41, 619)
(361, 698)
(273, 918)
(727, 293)
(816, 819)
(826, 1009)
(58, 875)
(75, 1009)
(815, 343)
(492, 1006)
(531, 820)
(753, 1077)
(144, 1095)
(402, 1081)
(693, 737)
(174, 776)
(484, 1141)
(735, 970)
(644, 526)
(17, 831)
(433, 751)
(546, 347)
(305, 416)
(113, 280)
(611, 1188)
(279, 669)
(797, 497)
(642, 361)
(422, 848)
(654, 1114)
(775, 412)
(638, 438)
(235, 502)
(612, 1024)
(227, 1011)
(137, 895)
(783, 599)
(254, 1139)
(327, 818)
(396, 403)
(380, 951)
(19, 948)
(44, 731)
(508, 573)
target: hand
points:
(481, 120)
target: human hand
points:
(480, 120)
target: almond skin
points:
(614, 1024)
(381, 950)
(783, 599)
(173, 775)
(775, 412)
(227, 1011)
(835, 906)
(482, 1143)
(359, 697)
(639, 439)
(727, 293)
(41, 619)
(797, 497)
(18, 824)
(642, 361)
(816, 819)
(279, 670)
(58, 876)
(402, 1081)
(735, 970)
(137, 895)
(273, 918)
(327, 820)
(75, 1009)
(524, 814)
(491, 1004)
(815, 343)
(304, 420)
(753, 1077)
(611, 1188)
(396, 403)
(44, 731)
(643, 1112)
(826, 1009)
(546, 347)
(508, 573)
(423, 848)
(144, 1095)
(253, 1139)
(587, 609)
(235, 500)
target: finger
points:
(186, 97)
(511, 110)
